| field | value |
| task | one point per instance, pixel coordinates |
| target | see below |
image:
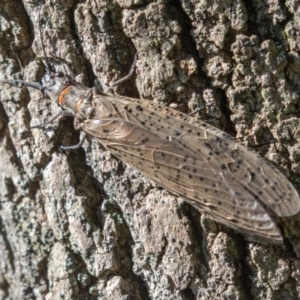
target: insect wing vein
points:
(237, 164)
(182, 172)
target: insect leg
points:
(82, 138)
(198, 109)
(63, 113)
(65, 63)
(128, 75)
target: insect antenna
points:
(34, 85)
(49, 68)
(17, 57)
(14, 82)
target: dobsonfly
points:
(188, 157)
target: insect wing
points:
(255, 173)
(198, 162)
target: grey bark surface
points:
(82, 225)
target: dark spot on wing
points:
(145, 140)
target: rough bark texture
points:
(82, 225)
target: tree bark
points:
(82, 225)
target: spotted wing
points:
(198, 162)
(255, 173)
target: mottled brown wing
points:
(259, 176)
(204, 179)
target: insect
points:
(186, 156)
